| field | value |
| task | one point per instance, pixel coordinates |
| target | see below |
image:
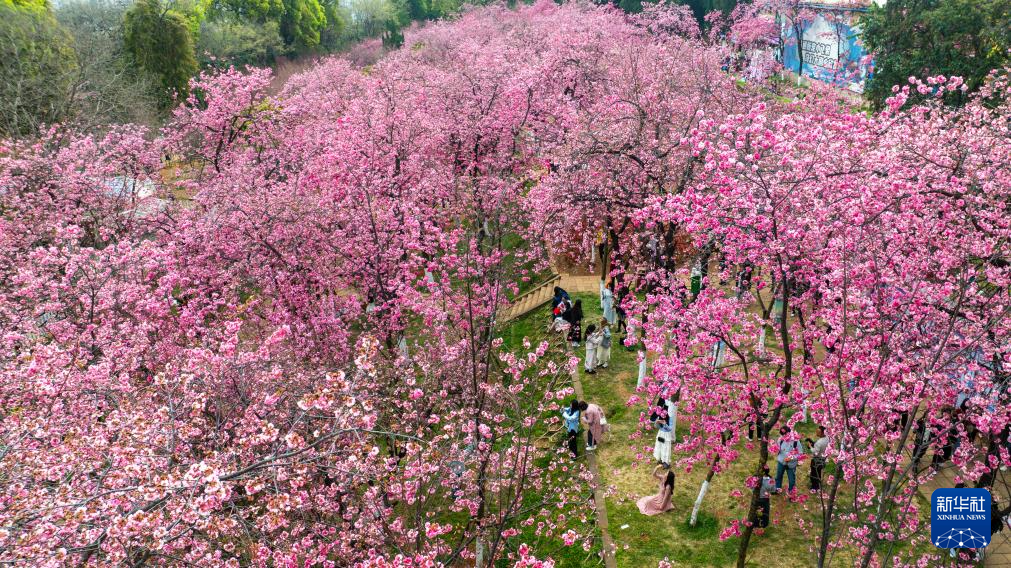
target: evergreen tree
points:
(160, 42)
(301, 24)
(36, 67)
(703, 7)
(967, 38)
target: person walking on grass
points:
(574, 315)
(756, 426)
(604, 349)
(593, 417)
(790, 452)
(661, 502)
(571, 417)
(818, 449)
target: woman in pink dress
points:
(593, 416)
(659, 503)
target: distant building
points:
(829, 48)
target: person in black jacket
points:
(575, 318)
(560, 295)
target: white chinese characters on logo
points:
(960, 504)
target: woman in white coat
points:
(665, 433)
(593, 339)
(607, 304)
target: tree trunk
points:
(642, 369)
(752, 518)
(826, 521)
(763, 453)
(673, 422)
(698, 500)
(704, 489)
(798, 31)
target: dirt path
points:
(599, 505)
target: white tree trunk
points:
(673, 411)
(642, 370)
(761, 342)
(698, 502)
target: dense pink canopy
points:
(267, 333)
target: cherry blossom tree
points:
(291, 356)
(269, 333)
(883, 329)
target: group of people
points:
(599, 337)
(662, 418)
(582, 412)
(598, 346)
(564, 309)
(790, 451)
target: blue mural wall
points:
(831, 48)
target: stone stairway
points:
(543, 292)
(531, 299)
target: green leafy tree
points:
(967, 38)
(421, 10)
(418, 10)
(36, 68)
(193, 11)
(159, 41)
(331, 37)
(703, 7)
(229, 40)
(369, 18)
(301, 24)
(631, 6)
(252, 10)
